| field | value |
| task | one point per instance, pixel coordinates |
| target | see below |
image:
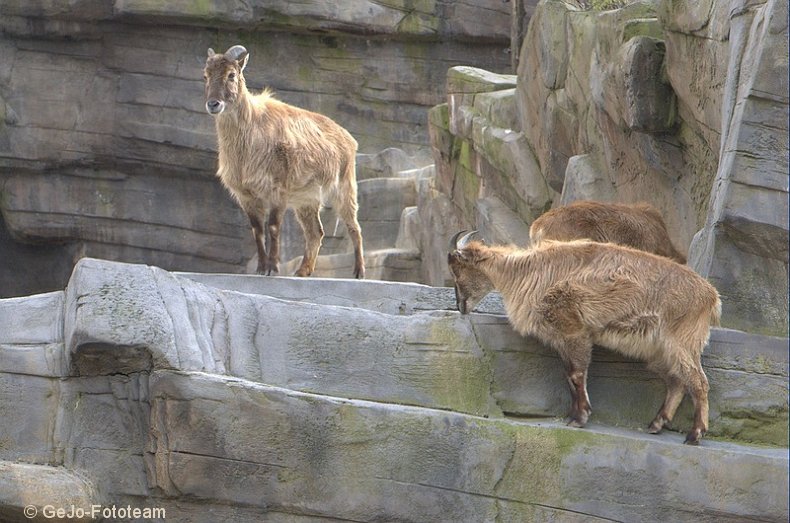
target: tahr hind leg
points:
(698, 389)
(347, 206)
(273, 228)
(257, 234)
(576, 356)
(672, 400)
(310, 220)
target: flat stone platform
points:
(239, 397)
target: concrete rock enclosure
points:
(682, 105)
(106, 149)
(230, 397)
(246, 397)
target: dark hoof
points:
(271, 269)
(693, 437)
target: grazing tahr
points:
(634, 225)
(571, 295)
(273, 155)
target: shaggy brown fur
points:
(639, 226)
(571, 295)
(273, 155)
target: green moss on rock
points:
(467, 183)
(643, 27)
(464, 79)
(467, 378)
(764, 428)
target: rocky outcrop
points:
(140, 62)
(106, 151)
(743, 246)
(483, 154)
(236, 398)
(682, 106)
(244, 397)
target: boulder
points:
(585, 181)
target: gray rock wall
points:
(682, 105)
(236, 398)
(247, 397)
(368, 458)
(106, 150)
(743, 246)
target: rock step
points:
(373, 462)
(381, 203)
(370, 294)
(399, 265)
(475, 364)
(148, 382)
(748, 372)
(381, 341)
(24, 485)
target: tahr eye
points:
(232, 76)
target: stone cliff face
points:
(743, 247)
(105, 149)
(681, 105)
(232, 398)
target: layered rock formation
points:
(243, 398)
(683, 106)
(235, 398)
(743, 247)
(105, 149)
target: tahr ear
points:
(243, 61)
(459, 255)
(211, 52)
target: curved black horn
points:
(236, 52)
(454, 241)
(465, 239)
